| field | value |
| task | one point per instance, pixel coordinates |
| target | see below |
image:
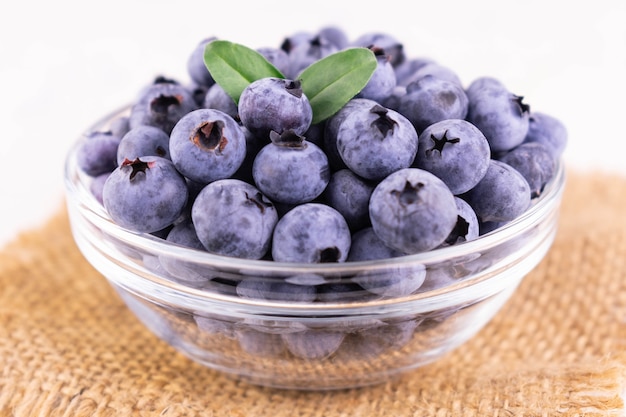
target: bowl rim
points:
(77, 190)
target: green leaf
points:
(234, 66)
(332, 81)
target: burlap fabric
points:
(69, 347)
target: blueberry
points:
(313, 343)
(377, 141)
(467, 226)
(392, 281)
(145, 195)
(350, 194)
(434, 319)
(386, 282)
(184, 234)
(207, 145)
(194, 188)
(268, 289)
(405, 71)
(456, 151)
(97, 185)
(275, 104)
(215, 325)
(335, 35)
(162, 105)
(367, 246)
(548, 130)
(253, 146)
(290, 169)
(198, 93)
(216, 98)
(120, 126)
(392, 47)
(233, 218)
(412, 210)
(259, 343)
(315, 134)
(143, 141)
(97, 153)
(501, 195)
(159, 79)
(196, 68)
(290, 42)
(382, 82)
(372, 342)
(311, 233)
(430, 100)
(443, 274)
(332, 123)
(393, 100)
(502, 116)
(433, 69)
(308, 52)
(535, 162)
(484, 83)
(331, 127)
(277, 57)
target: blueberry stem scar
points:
(439, 143)
(329, 255)
(460, 231)
(383, 122)
(257, 200)
(288, 139)
(523, 107)
(209, 136)
(409, 194)
(294, 87)
(137, 166)
(161, 104)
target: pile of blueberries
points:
(415, 161)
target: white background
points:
(65, 64)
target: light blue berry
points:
(377, 141)
(412, 211)
(207, 145)
(233, 218)
(290, 169)
(311, 233)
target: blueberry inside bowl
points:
(309, 326)
(345, 215)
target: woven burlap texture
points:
(69, 347)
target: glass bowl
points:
(356, 330)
